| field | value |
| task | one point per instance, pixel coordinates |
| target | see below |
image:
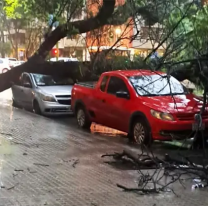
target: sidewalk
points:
(43, 162)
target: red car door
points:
(117, 110)
(98, 104)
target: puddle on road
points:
(5, 145)
(5, 149)
(99, 129)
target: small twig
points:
(21, 143)
(8, 134)
(10, 188)
(40, 164)
(138, 189)
(18, 170)
(75, 163)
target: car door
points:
(27, 95)
(97, 104)
(17, 91)
(117, 109)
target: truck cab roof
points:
(129, 73)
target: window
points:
(157, 85)
(47, 80)
(103, 83)
(1, 62)
(26, 80)
(115, 85)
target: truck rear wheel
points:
(140, 132)
(82, 118)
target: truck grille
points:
(188, 117)
(64, 99)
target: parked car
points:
(13, 62)
(42, 94)
(64, 59)
(4, 65)
(144, 104)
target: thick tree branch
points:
(81, 26)
(37, 64)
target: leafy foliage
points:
(5, 48)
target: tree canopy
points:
(183, 23)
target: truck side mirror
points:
(123, 94)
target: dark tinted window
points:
(103, 83)
(26, 79)
(116, 85)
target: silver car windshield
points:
(157, 85)
(47, 80)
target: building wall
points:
(108, 34)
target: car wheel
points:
(141, 132)
(82, 118)
(36, 108)
(5, 70)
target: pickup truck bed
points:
(87, 84)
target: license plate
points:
(195, 127)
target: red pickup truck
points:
(146, 105)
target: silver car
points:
(42, 94)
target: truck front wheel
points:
(140, 132)
(82, 118)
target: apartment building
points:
(116, 38)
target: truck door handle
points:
(103, 100)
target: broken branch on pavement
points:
(158, 174)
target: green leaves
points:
(13, 8)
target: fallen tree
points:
(37, 62)
(78, 71)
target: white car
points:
(13, 62)
(4, 65)
(42, 94)
(64, 59)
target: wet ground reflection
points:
(99, 129)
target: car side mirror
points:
(27, 85)
(122, 94)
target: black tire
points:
(4, 70)
(140, 132)
(82, 118)
(36, 108)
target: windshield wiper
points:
(154, 95)
(148, 93)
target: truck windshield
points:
(157, 85)
(47, 80)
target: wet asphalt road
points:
(70, 121)
(49, 161)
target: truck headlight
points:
(48, 98)
(162, 115)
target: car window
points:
(115, 85)
(103, 83)
(1, 62)
(10, 59)
(26, 80)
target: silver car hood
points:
(56, 90)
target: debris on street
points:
(40, 164)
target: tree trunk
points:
(2, 38)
